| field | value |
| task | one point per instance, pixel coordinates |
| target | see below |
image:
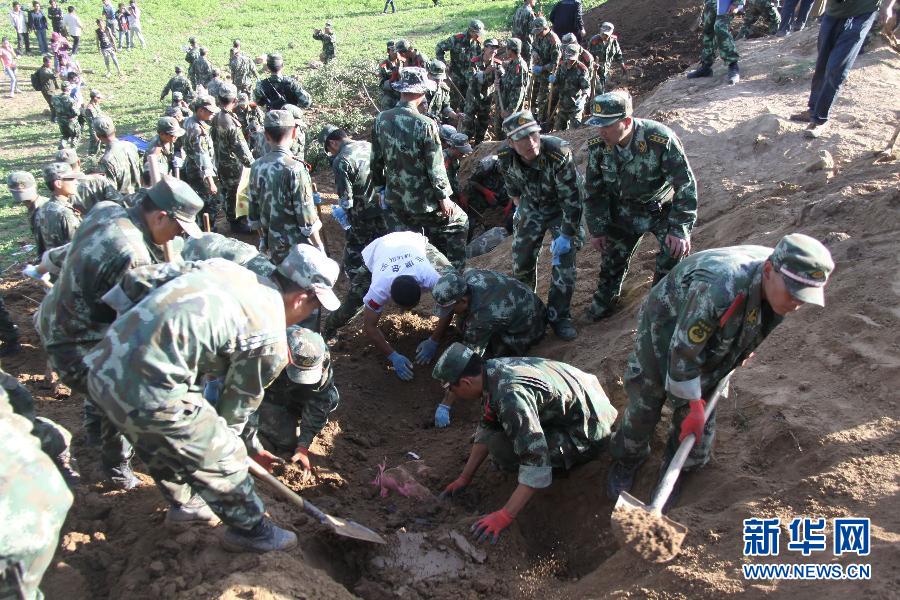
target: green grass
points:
(27, 138)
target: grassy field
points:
(27, 138)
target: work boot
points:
(122, 476)
(701, 71)
(592, 314)
(9, 348)
(265, 537)
(814, 130)
(68, 468)
(193, 512)
(92, 437)
(621, 478)
(564, 330)
(734, 74)
(802, 117)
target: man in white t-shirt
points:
(398, 266)
(73, 26)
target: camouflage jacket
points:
(73, 317)
(215, 245)
(407, 160)
(178, 83)
(439, 102)
(200, 161)
(281, 202)
(521, 23)
(534, 401)
(499, 305)
(513, 82)
(122, 164)
(192, 55)
(629, 186)
(480, 88)
(452, 164)
(488, 174)
(704, 318)
(353, 179)
(243, 71)
(275, 91)
(605, 53)
(547, 50)
(328, 40)
(163, 158)
(202, 71)
(223, 320)
(93, 189)
(386, 70)
(462, 49)
(232, 152)
(573, 85)
(547, 187)
(214, 86)
(66, 107)
(33, 208)
(57, 221)
(91, 111)
(47, 80)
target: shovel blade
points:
(352, 529)
(649, 534)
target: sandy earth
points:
(811, 427)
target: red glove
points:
(490, 196)
(694, 421)
(455, 486)
(266, 459)
(492, 524)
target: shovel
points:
(349, 529)
(649, 533)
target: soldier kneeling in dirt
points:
(538, 415)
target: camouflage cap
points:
(402, 46)
(414, 80)
(805, 265)
(206, 102)
(567, 39)
(514, 44)
(96, 94)
(539, 24)
(306, 356)
(447, 291)
(228, 92)
(103, 126)
(520, 125)
(64, 84)
(390, 45)
(446, 132)
(327, 130)
(476, 26)
(571, 51)
(309, 268)
(610, 108)
(177, 70)
(279, 118)
(460, 142)
(243, 99)
(56, 171)
(607, 28)
(172, 112)
(169, 126)
(295, 111)
(177, 96)
(492, 43)
(179, 201)
(192, 40)
(274, 61)
(67, 155)
(452, 363)
(22, 186)
(437, 69)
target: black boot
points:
(701, 71)
(621, 478)
(734, 74)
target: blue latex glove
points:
(402, 366)
(317, 199)
(425, 351)
(346, 203)
(561, 245)
(340, 215)
(536, 69)
(442, 416)
(212, 390)
(552, 78)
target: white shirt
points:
(393, 255)
(19, 20)
(134, 17)
(72, 24)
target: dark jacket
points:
(567, 17)
(37, 20)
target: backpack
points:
(36, 80)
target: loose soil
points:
(646, 534)
(811, 428)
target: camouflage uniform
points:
(407, 161)
(55, 439)
(191, 58)
(521, 29)
(281, 202)
(353, 183)
(328, 40)
(439, 103)
(717, 35)
(755, 10)
(548, 200)
(56, 222)
(462, 50)
(34, 501)
(479, 97)
(215, 245)
(573, 85)
(605, 54)
(180, 84)
(163, 159)
(200, 163)
(486, 242)
(487, 174)
(546, 53)
(48, 84)
(243, 72)
(93, 189)
(122, 164)
(648, 186)
(145, 372)
(90, 112)
(504, 318)
(232, 155)
(203, 71)
(513, 83)
(66, 110)
(386, 71)
(214, 87)
(275, 91)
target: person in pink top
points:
(8, 58)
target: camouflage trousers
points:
(457, 93)
(93, 142)
(49, 99)
(212, 203)
(364, 230)
(507, 343)
(229, 179)
(717, 37)
(9, 331)
(55, 439)
(568, 119)
(540, 97)
(352, 303)
(600, 80)
(477, 121)
(563, 453)
(486, 242)
(69, 131)
(645, 377)
(528, 237)
(622, 241)
(754, 10)
(188, 449)
(449, 235)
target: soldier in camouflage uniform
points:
(276, 90)
(243, 70)
(232, 153)
(200, 161)
(180, 84)
(356, 196)
(439, 107)
(48, 83)
(457, 149)
(585, 57)
(512, 83)
(232, 325)
(121, 162)
(191, 57)
(66, 110)
(203, 70)
(538, 415)
(23, 188)
(92, 188)
(214, 86)
(481, 74)
(407, 163)
(463, 48)
(34, 500)
(637, 181)
(328, 40)
(573, 84)
(386, 70)
(717, 40)
(90, 112)
(486, 188)
(282, 207)
(521, 29)
(754, 10)
(162, 148)
(180, 107)
(540, 177)
(545, 58)
(57, 220)
(605, 49)
(73, 316)
(702, 320)
(408, 56)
